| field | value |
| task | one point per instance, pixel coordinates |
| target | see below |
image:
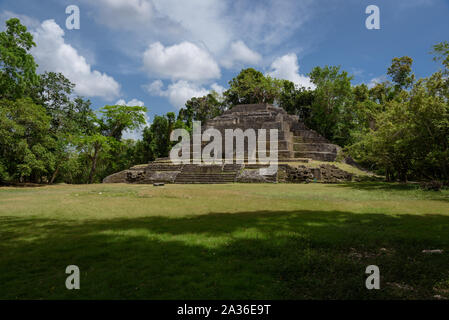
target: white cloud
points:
(134, 134)
(270, 23)
(196, 20)
(155, 88)
(202, 21)
(213, 23)
(239, 53)
(217, 88)
(53, 54)
(286, 67)
(184, 61)
(130, 103)
(372, 83)
(180, 91)
(125, 14)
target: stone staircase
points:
(207, 174)
(163, 166)
(308, 143)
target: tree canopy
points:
(17, 66)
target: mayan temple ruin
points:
(302, 154)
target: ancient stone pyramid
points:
(296, 143)
(295, 140)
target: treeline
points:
(46, 134)
(398, 128)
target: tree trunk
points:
(445, 171)
(387, 175)
(403, 176)
(53, 177)
(94, 166)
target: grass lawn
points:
(245, 241)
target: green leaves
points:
(401, 72)
(201, 109)
(296, 100)
(17, 67)
(25, 145)
(411, 138)
(3, 172)
(44, 132)
(251, 86)
(101, 146)
(117, 118)
(332, 105)
(441, 51)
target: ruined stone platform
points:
(296, 144)
(163, 171)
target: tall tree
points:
(25, 146)
(69, 117)
(106, 136)
(17, 67)
(251, 86)
(401, 72)
(296, 100)
(332, 107)
(92, 146)
(202, 108)
(411, 136)
(115, 119)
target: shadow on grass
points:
(247, 255)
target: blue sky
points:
(161, 52)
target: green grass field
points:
(236, 241)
